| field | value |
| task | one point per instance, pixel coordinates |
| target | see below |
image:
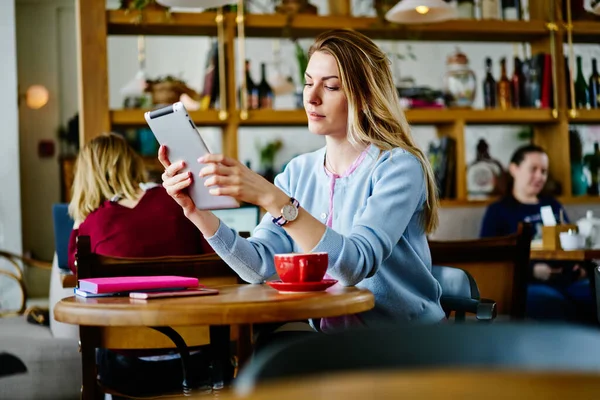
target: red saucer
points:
(300, 287)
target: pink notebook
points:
(130, 283)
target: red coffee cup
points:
(301, 267)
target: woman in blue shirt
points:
(558, 290)
(368, 198)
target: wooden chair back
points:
(499, 265)
(210, 269)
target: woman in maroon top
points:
(126, 217)
(123, 215)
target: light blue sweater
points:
(376, 242)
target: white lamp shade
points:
(420, 12)
(596, 9)
(195, 3)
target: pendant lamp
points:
(420, 12)
(195, 3)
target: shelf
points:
(579, 199)
(153, 22)
(135, 117)
(415, 117)
(303, 25)
(586, 32)
(586, 116)
(274, 25)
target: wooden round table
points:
(234, 305)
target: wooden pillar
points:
(92, 69)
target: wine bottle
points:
(594, 86)
(465, 9)
(511, 10)
(504, 98)
(518, 85)
(265, 92)
(490, 9)
(489, 86)
(581, 87)
(251, 89)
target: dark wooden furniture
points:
(499, 265)
(210, 269)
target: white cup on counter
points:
(571, 240)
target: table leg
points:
(184, 353)
(244, 344)
(220, 355)
(89, 340)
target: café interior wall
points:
(10, 187)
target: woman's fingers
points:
(173, 170)
(221, 180)
(163, 157)
(177, 183)
(218, 158)
(217, 169)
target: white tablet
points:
(173, 128)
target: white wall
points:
(10, 193)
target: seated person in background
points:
(112, 203)
(125, 216)
(559, 290)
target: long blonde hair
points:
(106, 166)
(374, 112)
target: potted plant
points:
(267, 158)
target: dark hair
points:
(517, 158)
(520, 154)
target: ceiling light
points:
(420, 12)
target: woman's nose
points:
(311, 96)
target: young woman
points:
(558, 290)
(112, 204)
(368, 198)
(126, 217)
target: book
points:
(83, 293)
(175, 293)
(131, 283)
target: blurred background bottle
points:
(265, 92)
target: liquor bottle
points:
(465, 9)
(489, 86)
(592, 162)
(265, 93)
(251, 90)
(504, 98)
(581, 87)
(511, 10)
(594, 86)
(490, 9)
(518, 85)
(485, 175)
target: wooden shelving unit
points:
(550, 128)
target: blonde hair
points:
(374, 112)
(106, 166)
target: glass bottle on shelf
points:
(489, 86)
(592, 162)
(485, 175)
(581, 87)
(251, 89)
(461, 83)
(465, 9)
(518, 85)
(504, 98)
(594, 86)
(490, 9)
(265, 93)
(511, 10)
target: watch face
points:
(289, 212)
